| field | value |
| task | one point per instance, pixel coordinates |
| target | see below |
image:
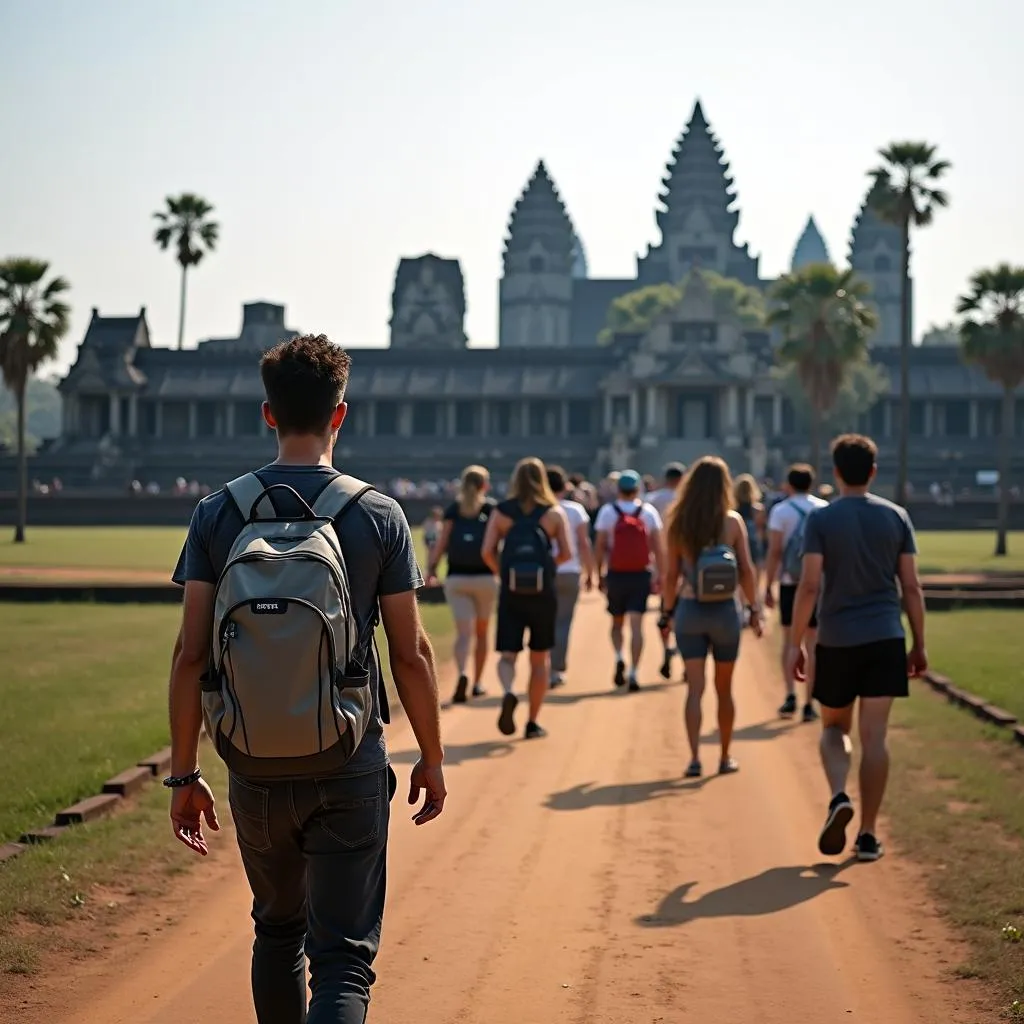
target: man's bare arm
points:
(191, 659)
(558, 530)
(414, 671)
(773, 561)
(586, 549)
(913, 598)
(806, 597)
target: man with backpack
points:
(628, 548)
(286, 572)
(787, 522)
(662, 499)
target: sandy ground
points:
(579, 879)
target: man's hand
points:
(431, 580)
(431, 780)
(796, 662)
(189, 805)
(757, 622)
(917, 661)
(769, 597)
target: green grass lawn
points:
(143, 548)
(980, 650)
(968, 551)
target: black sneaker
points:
(534, 732)
(507, 720)
(479, 691)
(460, 690)
(867, 847)
(832, 840)
(666, 666)
(620, 673)
(810, 715)
(634, 686)
(788, 709)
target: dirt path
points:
(580, 880)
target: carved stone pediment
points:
(428, 304)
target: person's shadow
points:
(587, 795)
(459, 753)
(767, 893)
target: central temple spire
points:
(697, 174)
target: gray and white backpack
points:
(716, 574)
(284, 696)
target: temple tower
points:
(697, 217)
(810, 247)
(541, 254)
(875, 255)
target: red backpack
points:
(631, 551)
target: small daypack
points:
(716, 574)
(793, 553)
(286, 694)
(631, 551)
(527, 563)
(466, 540)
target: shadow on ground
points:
(767, 893)
(456, 753)
(587, 795)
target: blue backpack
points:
(793, 553)
(527, 562)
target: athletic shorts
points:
(842, 674)
(787, 596)
(471, 597)
(517, 614)
(628, 592)
(708, 626)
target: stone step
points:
(89, 809)
(997, 715)
(130, 781)
(158, 763)
(42, 835)
(10, 850)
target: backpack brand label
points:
(265, 607)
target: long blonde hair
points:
(530, 485)
(697, 517)
(472, 487)
(745, 490)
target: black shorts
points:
(517, 614)
(842, 674)
(628, 592)
(787, 596)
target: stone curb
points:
(991, 713)
(127, 783)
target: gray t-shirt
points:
(379, 554)
(861, 539)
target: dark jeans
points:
(315, 854)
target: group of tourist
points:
(287, 571)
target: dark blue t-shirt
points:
(379, 554)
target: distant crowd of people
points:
(288, 570)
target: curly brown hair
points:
(305, 381)
(697, 517)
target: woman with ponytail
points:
(470, 587)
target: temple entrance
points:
(692, 419)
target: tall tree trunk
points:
(181, 308)
(22, 515)
(1005, 452)
(902, 470)
(815, 439)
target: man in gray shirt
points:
(858, 553)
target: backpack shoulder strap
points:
(245, 491)
(339, 495)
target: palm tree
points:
(905, 193)
(825, 324)
(992, 336)
(186, 223)
(33, 319)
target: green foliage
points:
(43, 410)
(905, 190)
(33, 319)
(862, 385)
(185, 223)
(637, 311)
(992, 333)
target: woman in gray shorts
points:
(470, 588)
(702, 518)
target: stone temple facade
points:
(697, 381)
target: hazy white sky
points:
(334, 136)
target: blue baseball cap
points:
(629, 481)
